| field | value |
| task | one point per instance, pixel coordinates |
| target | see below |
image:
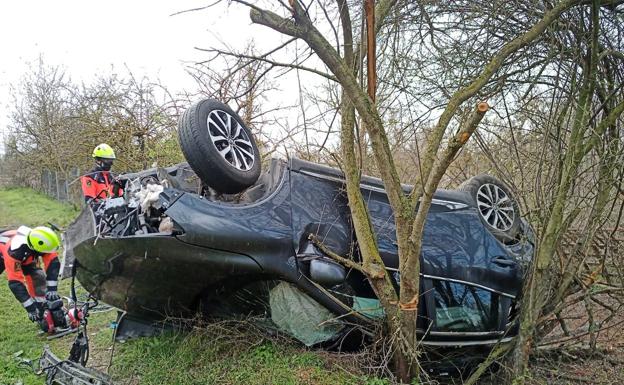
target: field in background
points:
(215, 354)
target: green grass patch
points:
(227, 355)
(23, 206)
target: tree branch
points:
(342, 260)
(470, 90)
(265, 60)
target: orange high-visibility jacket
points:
(99, 185)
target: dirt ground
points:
(574, 360)
(580, 367)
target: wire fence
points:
(64, 187)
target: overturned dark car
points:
(208, 235)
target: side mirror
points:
(326, 272)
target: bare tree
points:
(40, 124)
(56, 124)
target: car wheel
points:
(219, 147)
(497, 207)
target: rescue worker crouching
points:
(99, 184)
(20, 251)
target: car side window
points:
(464, 308)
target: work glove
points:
(118, 186)
(52, 295)
(33, 315)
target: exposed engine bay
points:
(140, 211)
(142, 208)
(143, 213)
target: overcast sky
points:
(88, 37)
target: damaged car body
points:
(173, 246)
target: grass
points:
(22, 206)
(203, 357)
(220, 353)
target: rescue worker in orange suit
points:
(20, 251)
(99, 184)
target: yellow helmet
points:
(43, 240)
(104, 151)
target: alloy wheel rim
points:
(495, 207)
(231, 140)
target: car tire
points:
(498, 209)
(219, 147)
